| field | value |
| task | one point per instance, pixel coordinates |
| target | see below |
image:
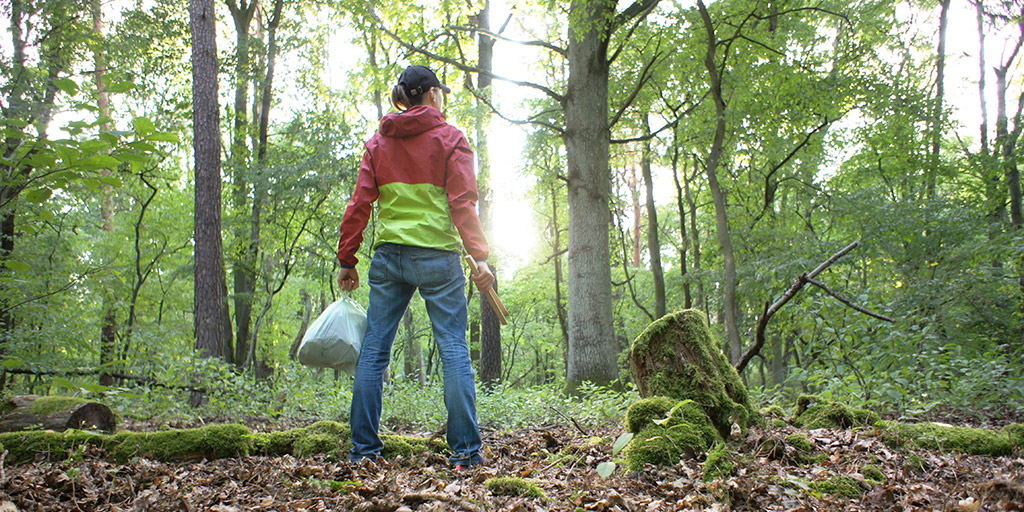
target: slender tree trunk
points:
(936, 117)
(684, 242)
(653, 244)
(210, 287)
(490, 327)
(243, 261)
(717, 194)
(702, 297)
(556, 229)
(593, 350)
(108, 321)
(634, 196)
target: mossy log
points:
(57, 413)
(677, 357)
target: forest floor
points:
(769, 476)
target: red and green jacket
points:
(420, 170)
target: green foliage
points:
(719, 462)
(514, 486)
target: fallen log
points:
(57, 413)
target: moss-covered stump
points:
(831, 415)
(676, 357)
(54, 413)
(948, 438)
(684, 431)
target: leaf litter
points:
(771, 475)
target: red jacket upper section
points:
(417, 146)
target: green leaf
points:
(18, 266)
(605, 469)
(120, 86)
(143, 126)
(69, 155)
(67, 85)
(164, 137)
(142, 146)
(13, 362)
(95, 388)
(621, 442)
(113, 181)
(100, 162)
(62, 382)
(38, 195)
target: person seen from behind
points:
(419, 169)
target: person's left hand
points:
(484, 279)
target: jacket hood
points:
(414, 121)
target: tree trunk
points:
(490, 326)
(593, 351)
(559, 279)
(210, 287)
(717, 194)
(684, 242)
(243, 262)
(653, 244)
(307, 312)
(936, 117)
(108, 322)
(57, 413)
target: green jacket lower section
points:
(416, 215)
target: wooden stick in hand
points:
(492, 296)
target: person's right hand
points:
(348, 279)
(484, 279)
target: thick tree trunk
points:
(653, 244)
(57, 413)
(210, 287)
(717, 194)
(490, 326)
(593, 351)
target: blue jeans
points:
(395, 273)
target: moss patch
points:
(833, 415)
(210, 442)
(685, 430)
(839, 485)
(644, 411)
(46, 405)
(946, 438)
(803, 450)
(329, 437)
(409, 445)
(1016, 434)
(719, 463)
(677, 357)
(873, 473)
(513, 486)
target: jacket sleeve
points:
(357, 213)
(460, 184)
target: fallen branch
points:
(573, 420)
(801, 281)
(123, 376)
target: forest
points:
(832, 185)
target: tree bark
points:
(717, 194)
(653, 244)
(108, 321)
(243, 261)
(592, 347)
(307, 312)
(490, 326)
(684, 242)
(210, 287)
(936, 117)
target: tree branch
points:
(846, 301)
(464, 67)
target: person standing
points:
(419, 169)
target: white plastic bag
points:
(335, 337)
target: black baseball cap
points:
(419, 79)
